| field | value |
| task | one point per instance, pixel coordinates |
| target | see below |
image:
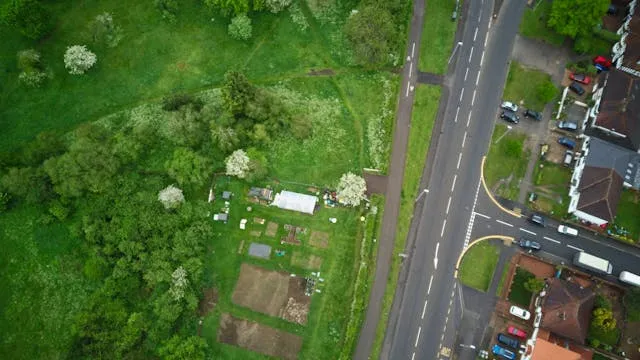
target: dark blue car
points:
(503, 353)
(507, 340)
(567, 142)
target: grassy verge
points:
(437, 36)
(523, 86)
(506, 160)
(629, 213)
(551, 182)
(518, 294)
(478, 265)
(534, 24)
(503, 278)
(422, 120)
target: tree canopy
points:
(372, 34)
(574, 17)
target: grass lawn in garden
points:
(478, 265)
(518, 294)
(423, 118)
(522, 86)
(506, 159)
(551, 184)
(628, 214)
(534, 24)
(552, 175)
(437, 36)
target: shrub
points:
(103, 30)
(28, 16)
(240, 27)
(171, 197)
(351, 189)
(298, 18)
(176, 101)
(238, 164)
(275, 6)
(32, 71)
(168, 9)
(78, 59)
(546, 91)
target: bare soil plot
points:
(272, 229)
(208, 302)
(319, 239)
(273, 293)
(310, 262)
(259, 338)
(256, 233)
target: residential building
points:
(566, 310)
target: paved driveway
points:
(542, 56)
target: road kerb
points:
(486, 189)
(464, 251)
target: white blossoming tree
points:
(179, 283)
(78, 59)
(238, 164)
(351, 189)
(171, 197)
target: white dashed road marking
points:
(504, 223)
(552, 240)
(527, 231)
(574, 248)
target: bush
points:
(78, 59)
(168, 9)
(28, 16)
(176, 101)
(32, 71)
(103, 30)
(546, 91)
(240, 27)
(275, 6)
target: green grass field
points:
(518, 294)
(506, 159)
(422, 120)
(629, 213)
(534, 24)
(522, 85)
(478, 265)
(437, 36)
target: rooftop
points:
(566, 310)
(600, 190)
(619, 109)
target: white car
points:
(508, 105)
(563, 229)
(519, 312)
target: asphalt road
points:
(424, 324)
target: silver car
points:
(508, 105)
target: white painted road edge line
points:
(437, 248)
(453, 185)
(413, 355)
(461, 93)
(466, 73)
(457, 111)
(485, 39)
(407, 93)
(527, 231)
(574, 248)
(471, 54)
(552, 240)
(448, 204)
(482, 58)
(413, 49)
(484, 216)
(444, 223)
(504, 223)
(459, 158)
(424, 309)
(464, 138)
(429, 288)
(475, 33)
(410, 68)
(473, 98)
(418, 336)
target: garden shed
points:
(289, 200)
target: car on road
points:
(517, 332)
(581, 78)
(529, 244)
(508, 105)
(576, 88)
(564, 229)
(510, 116)
(567, 125)
(503, 353)
(509, 341)
(567, 142)
(537, 219)
(535, 115)
(519, 312)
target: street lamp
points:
(509, 127)
(425, 191)
(454, 51)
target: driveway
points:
(542, 56)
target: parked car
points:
(508, 105)
(567, 125)
(581, 78)
(602, 61)
(529, 244)
(509, 341)
(510, 116)
(502, 352)
(568, 158)
(567, 142)
(537, 219)
(516, 332)
(519, 312)
(563, 229)
(533, 114)
(576, 88)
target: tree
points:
(603, 319)
(351, 189)
(171, 197)
(28, 16)
(168, 9)
(372, 34)
(188, 167)
(235, 7)
(78, 59)
(104, 30)
(258, 168)
(240, 27)
(275, 6)
(179, 282)
(546, 91)
(238, 164)
(574, 17)
(237, 92)
(32, 71)
(534, 285)
(178, 348)
(28, 183)
(224, 138)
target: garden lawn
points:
(522, 86)
(518, 294)
(478, 265)
(423, 118)
(628, 215)
(437, 36)
(534, 24)
(506, 158)
(552, 181)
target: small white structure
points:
(243, 224)
(289, 200)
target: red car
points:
(517, 332)
(581, 78)
(602, 61)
